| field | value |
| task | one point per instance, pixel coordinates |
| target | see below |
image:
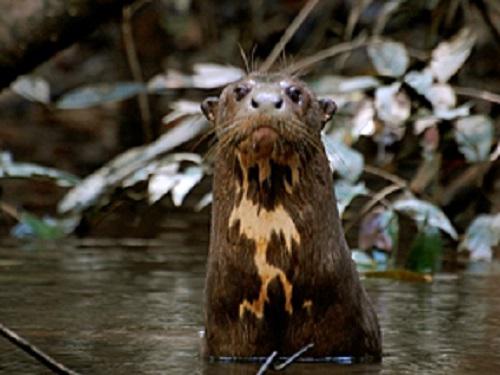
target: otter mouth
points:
(264, 140)
(267, 163)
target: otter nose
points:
(266, 100)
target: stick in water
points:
(267, 363)
(36, 353)
(293, 358)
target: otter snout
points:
(266, 99)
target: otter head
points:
(268, 122)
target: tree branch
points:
(32, 31)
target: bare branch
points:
(288, 34)
(32, 31)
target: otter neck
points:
(266, 182)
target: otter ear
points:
(328, 107)
(209, 107)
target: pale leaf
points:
(481, 235)
(426, 214)
(389, 58)
(474, 135)
(32, 88)
(100, 93)
(449, 56)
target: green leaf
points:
(425, 214)
(389, 58)
(425, 251)
(474, 135)
(31, 226)
(93, 95)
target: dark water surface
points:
(130, 309)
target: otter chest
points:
(259, 225)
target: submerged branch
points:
(36, 353)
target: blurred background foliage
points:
(106, 138)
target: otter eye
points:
(241, 91)
(294, 93)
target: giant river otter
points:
(279, 273)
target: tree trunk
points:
(31, 31)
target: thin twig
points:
(386, 175)
(372, 203)
(36, 353)
(292, 358)
(10, 210)
(138, 5)
(327, 53)
(488, 19)
(135, 69)
(478, 94)
(287, 35)
(267, 363)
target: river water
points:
(134, 307)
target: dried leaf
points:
(425, 214)
(101, 93)
(441, 96)
(378, 230)
(495, 154)
(162, 181)
(206, 76)
(32, 88)
(481, 235)
(181, 108)
(11, 169)
(165, 174)
(421, 81)
(453, 113)
(204, 201)
(393, 106)
(187, 181)
(348, 162)
(423, 123)
(474, 135)
(389, 58)
(173, 79)
(209, 76)
(448, 57)
(345, 192)
(363, 121)
(100, 184)
(331, 84)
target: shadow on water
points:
(135, 307)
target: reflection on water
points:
(137, 310)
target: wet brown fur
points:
(329, 306)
